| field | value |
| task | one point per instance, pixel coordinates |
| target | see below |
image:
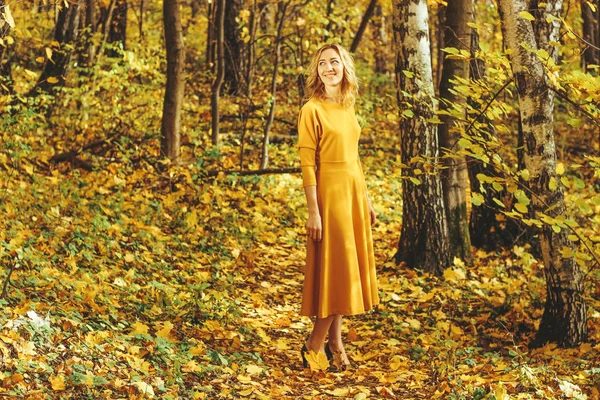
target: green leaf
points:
(408, 113)
(522, 208)
(501, 204)
(451, 50)
(477, 199)
(415, 181)
(527, 16)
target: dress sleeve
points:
(308, 140)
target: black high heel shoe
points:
(336, 363)
(328, 352)
(302, 353)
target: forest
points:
(152, 217)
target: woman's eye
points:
(335, 62)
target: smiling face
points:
(330, 68)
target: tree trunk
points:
(564, 318)
(489, 230)
(591, 33)
(210, 35)
(218, 82)
(328, 34)
(117, 32)
(363, 25)
(233, 48)
(5, 66)
(89, 55)
(65, 33)
(380, 40)
(455, 178)
(171, 120)
(264, 160)
(424, 241)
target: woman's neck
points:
(333, 94)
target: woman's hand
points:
(372, 213)
(314, 227)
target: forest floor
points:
(136, 281)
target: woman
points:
(340, 267)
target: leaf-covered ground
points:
(139, 280)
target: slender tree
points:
(233, 48)
(173, 102)
(457, 34)
(66, 33)
(590, 13)
(220, 61)
(488, 229)
(380, 39)
(5, 69)
(424, 241)
(117, 32)
(363, 25)
(564, 319)
(264, 161)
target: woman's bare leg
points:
(336, 344)
(316, 340)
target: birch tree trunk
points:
(455, 178)
(424, 239)
(564, 318)
(171, 120)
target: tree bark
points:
(380, 40)
(65, 33)
(564, 319)
(487, 230)
(5, 66)
(264, 160)
(424, 241)
(117, 32)
(455, 177)
(591, 33)
(218, 82)
(173, 102)
(363, 25)
(89, 55)
(233, 48)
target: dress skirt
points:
(340, 270)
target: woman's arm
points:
(314, 226)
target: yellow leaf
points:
(452, 274)
(49, 53)
(31, 74)
(552, 185)
(198, 350)
(560, 168)
(414, 323)
(144, 388)
(52, 80)
(317, 361)
(129, 258)
(8, 16)
(527, 16)
(165, 332)
(254, 369)
(57, 382)
(139, 329)
(340, 392)
(246, 392)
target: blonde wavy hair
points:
(315, 87)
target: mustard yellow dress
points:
(340, 270)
